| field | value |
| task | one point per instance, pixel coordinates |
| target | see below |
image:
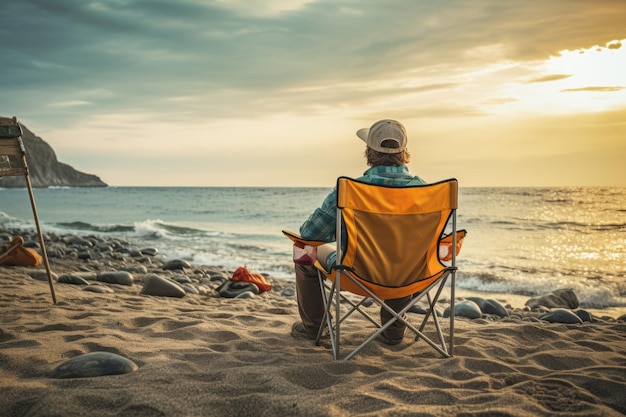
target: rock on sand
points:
(94, 364)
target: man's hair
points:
(375, 158)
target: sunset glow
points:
(592, 79)
(218, 93)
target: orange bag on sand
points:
(242, 274)
(17, 255)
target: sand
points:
(203, 355)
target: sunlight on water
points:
(536, 240)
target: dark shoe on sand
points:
(386, 340)
(299, 332)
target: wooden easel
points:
(13, 151)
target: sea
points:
(520, 241)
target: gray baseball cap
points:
(381, 131)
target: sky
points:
(271, 92)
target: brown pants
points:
(311, 304)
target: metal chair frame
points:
(332, 294)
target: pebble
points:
(189, 288)
(32, 244)
(231, 289)
(116, 277)
(218, 276)
(288, 292)
(561, 316)
(149, 251)
(137, 269)
(175, 264)
(561, 298)
(104, 247)
(584, 315)
(204, 290)
(94, 364)
(42, 275)
(102, 289)
(72, 279)
(78, 241)
(159, 286)
(367, 302)
(465, 308)
(182, 279)
(218, 280)
(490, 306)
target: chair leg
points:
(44, 254)
(452, 312)
(327, 318)
(324, 323)
(337, 300)
(433, 303)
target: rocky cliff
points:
(45, 170)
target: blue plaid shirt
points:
(322, 223)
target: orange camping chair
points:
(12, 164)
(393, 245)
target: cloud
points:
(221, 52)
(600, 89)
(614, 45)
(550, 77)
(75, 103)
(122, 71)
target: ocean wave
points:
(505, 222)
(149, 228)
(590, 293)
(178, 230)
(557, 200)
(505, 191)
(83, 226)
(582, 227)
(620, 227)
(539, 225)
(247, 247)
(10, 222)
(5, 218)
(157, 228)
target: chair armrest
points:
(297, 238)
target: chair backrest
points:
(12, 162)
(392, 234)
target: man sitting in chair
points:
(386, 156)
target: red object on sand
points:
(243, 274)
